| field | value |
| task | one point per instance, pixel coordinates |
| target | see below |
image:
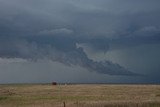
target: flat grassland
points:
(27, 95)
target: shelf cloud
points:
(34, 30)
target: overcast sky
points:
(84, 41)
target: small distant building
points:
(54, 83)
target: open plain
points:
(79, 95)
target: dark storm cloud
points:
(53, 28)
(62, 49)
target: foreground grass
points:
(80, 95)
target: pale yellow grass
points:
(80, 95)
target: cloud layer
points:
(55, 30)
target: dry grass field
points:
(79, 95)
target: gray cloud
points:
(51, 29)
(61, 31)
(63, 50)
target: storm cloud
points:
(59, 30)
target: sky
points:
(79, 41)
